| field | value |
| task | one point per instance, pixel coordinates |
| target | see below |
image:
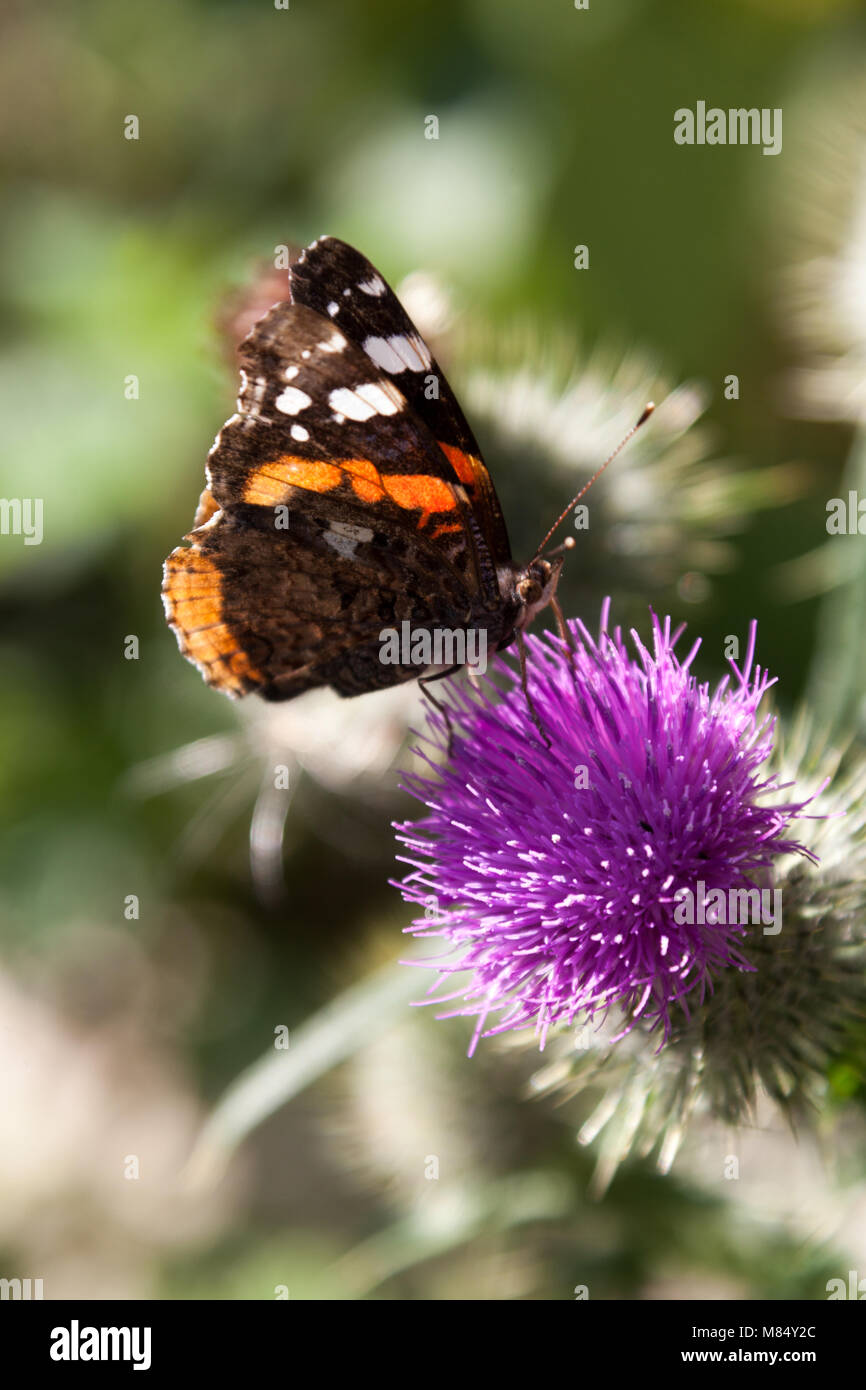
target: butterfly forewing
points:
(330, 513)
(338, 282)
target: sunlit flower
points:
(783, 1033)
(560, 870)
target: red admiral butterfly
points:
(346, 496)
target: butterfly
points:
(345, 500)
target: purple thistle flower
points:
(554, 871)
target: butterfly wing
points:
(329, 514)
(339, 283)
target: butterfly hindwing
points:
(324, 591)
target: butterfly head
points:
(535, 586)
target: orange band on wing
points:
(420, 491)
(464, 465)
(267, 486)
(193, 606)
(366, 482)
(208, 506)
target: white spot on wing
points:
(381, 352)
(335, 343)
(383, 394)
(400, 353)
(344, 403)
(344, 537)
(418, 348)
(250, 401)
(292, 400)
(344, 545)
(375, 285)
(291, 373)
(356, 533)
(298, 432)
(333, 308)
(364, 401)
(206, 525)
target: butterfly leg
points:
(562, 626)
(424, 682)
(565, 635)
(521, 654)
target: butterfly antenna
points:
(645, 414)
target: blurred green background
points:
(259, 127)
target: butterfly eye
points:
(529, 590)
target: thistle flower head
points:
(556, 869)
(787, 1031)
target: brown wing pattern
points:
(329, 514)
(323, 593)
